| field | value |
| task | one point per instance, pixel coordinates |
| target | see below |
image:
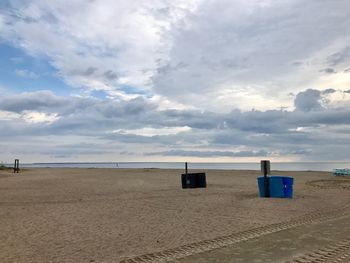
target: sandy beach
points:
(110, 215)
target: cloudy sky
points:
(174, 80)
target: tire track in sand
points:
(208, 245)
(341, 184)
(336, 253)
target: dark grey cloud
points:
(308, 100)
(111, 75)
(347, 70)
(46, 101)
(71, 151)
(62, 150)
(89, 71)
(89, 115)
(298, 63)
(31, 101)
(297, 132)
(139, 113)
(134, 107)
(209, 153)
(339, 57)
(172, 68)
(328, 91)
(329, 70)
(84, 72)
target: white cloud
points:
(8, 116)
(1, 22)
(17, 60)
(189, 71)
(338, 99)
(339, 81)
(39, 117)
(99, 44)
(28, 116)
(214, 55)
(272, 50)
(149, 132)
(24, 73)
(163, 103)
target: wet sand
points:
(106, 215)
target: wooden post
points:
(265, 168)
(186, 167)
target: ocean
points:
(287, 166)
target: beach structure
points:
(341, 172)
(265, 169)
(16, 166)
(274, 186)
(193, 180)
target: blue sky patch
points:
(22, 73)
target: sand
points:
(106, 215)
(278, 247)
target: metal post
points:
(16, 166)
(186, 176)
(265, 168)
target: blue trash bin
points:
(279, 186)
(276, 186)
(288, 186)
(261, 186)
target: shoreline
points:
(255, 166)
(27, 168)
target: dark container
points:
(280, 186)
(193, 180)
(201, 180)
(189, 181)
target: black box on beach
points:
(193, 180)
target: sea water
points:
(286, 166)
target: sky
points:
(179, 80)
